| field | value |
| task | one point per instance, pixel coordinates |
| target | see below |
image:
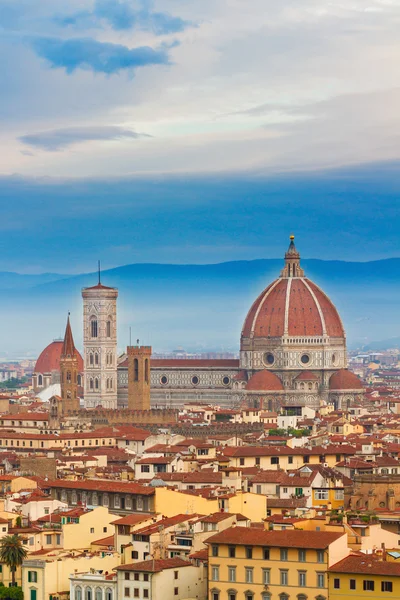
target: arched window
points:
(91, 358)
(91, 384)
(301, 597)
(93, 327)
(69, 378)
(88, 593)
(135, 369)
(96, 384)
(108, 328)
(146, 370)
(78, 593)
(96, 358)
(109, 594)
(40, 380)
(98, 594)
(232, 594)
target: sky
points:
(197, 131)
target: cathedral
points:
(292, 355)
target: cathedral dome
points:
(293, 306)
(345, 380)
(49, 359)
(264, 381)
(293, 325)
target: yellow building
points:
(359, 576)
(249, 563)
(172, 502)
(47, 576)
(283, 457)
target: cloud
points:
(120, 15)
(58, 139)
(100, 57)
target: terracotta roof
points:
(282, 539)
(220, 516)
(191, 363)
(366, 564)
(101, 485)
(165, 523)
(345, 380)
(28, 416)
(49, 359)
(155, 566)
(285, 503)
(99, 286)
(131, 519)
(309, 311)
(107, 541)
(200, 554)
(264, 381)
(155, 460)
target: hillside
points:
(195, 306)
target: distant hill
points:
(194, 306)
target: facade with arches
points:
(93, 585)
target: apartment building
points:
(254, 564)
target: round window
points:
(269, 358)
(305, 359)
(226, 380)
(164, 379)
(195, 380)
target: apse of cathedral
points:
(292, 356)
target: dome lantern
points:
(292, 262)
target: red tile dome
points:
(306, 376)
(292, 306)
(345, 380)
(49, 359)
(264, 381)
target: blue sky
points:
(187, 131)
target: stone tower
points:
(69, 372)
(100, 345)
(139, 377)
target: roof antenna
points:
(99, 272)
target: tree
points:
(12, 553)
(11, 593)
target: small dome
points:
(345, 380)
(264, 381)
(306, 376)
(49, 359)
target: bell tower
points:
(69, 373)
(100, 345)
(139, 377)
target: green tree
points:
(11, 593)
(12, 553)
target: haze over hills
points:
(199, 307)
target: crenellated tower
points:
(139, 377)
